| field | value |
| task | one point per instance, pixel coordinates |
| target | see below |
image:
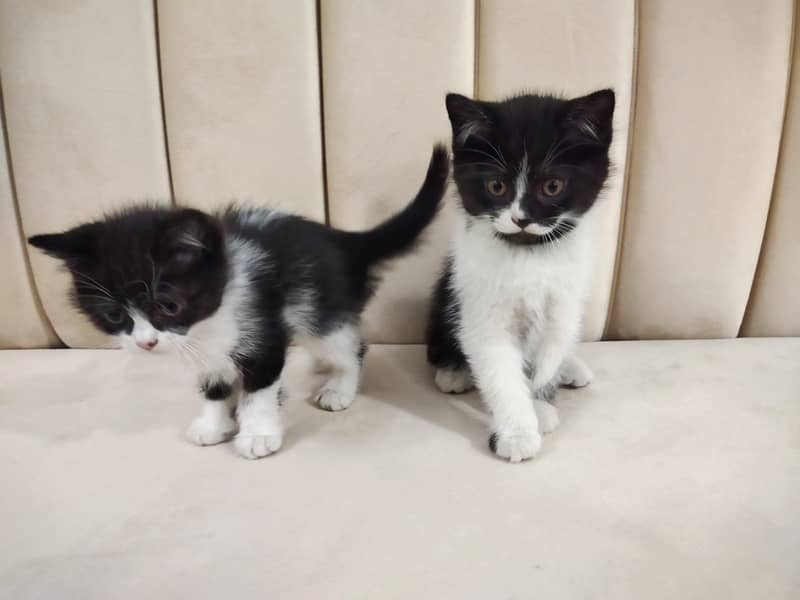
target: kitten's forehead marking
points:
(143, 330)
(521, 184)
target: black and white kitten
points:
(507, 310)
(232, 290)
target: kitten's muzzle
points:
(147, 344)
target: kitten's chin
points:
(525, 238)
(522, 238)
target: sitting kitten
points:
(231, 291)
(506, 312)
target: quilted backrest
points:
(329, 109)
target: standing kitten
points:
(231, 291)
(506, 312)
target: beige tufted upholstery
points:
(674, 475)
(332, 115)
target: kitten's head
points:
(531, 165)
(144, 274)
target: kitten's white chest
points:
(515, 287)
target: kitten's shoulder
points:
(238, 217)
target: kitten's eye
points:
(553, 187)
(115, 316)
(495, 186)
(170, 308)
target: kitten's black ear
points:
(467, 117)
(189, 237)
(75, 243)
(591, 116)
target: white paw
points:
(574, 373)
(257, 446)
(329, 398)
(453, 381)
(204, 431)
(516, 444)
(547, 415)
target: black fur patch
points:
(444, 348)
(493, 443)
(216, 390)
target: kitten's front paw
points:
(547, 415)
(453, 381)
(516, 444)
(329, 398)
(257, 446)
(203, 431)
(574, 373)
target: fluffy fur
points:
(230, 291)
(506, 312)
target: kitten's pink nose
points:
(147, 345)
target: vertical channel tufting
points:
(387, 68)
(476, 41)
(570, 48)
(711, 87)
(161, 101)
(23, 323)
(84, 124)
(242, 103)
(627, 171)
(320, 67)
(775, 295)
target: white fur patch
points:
(547, 415)
(519, 305)
(213, 425)
(258, 216)
(260, 423)
(518, 441)
(338, 350)
(453, 381)
(574, 373)
(521, 184)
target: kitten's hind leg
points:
(574, 373)
(454, 379)
(343, 350)
(444, 349)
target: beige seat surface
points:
(673, 475)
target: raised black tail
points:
(398, 233)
